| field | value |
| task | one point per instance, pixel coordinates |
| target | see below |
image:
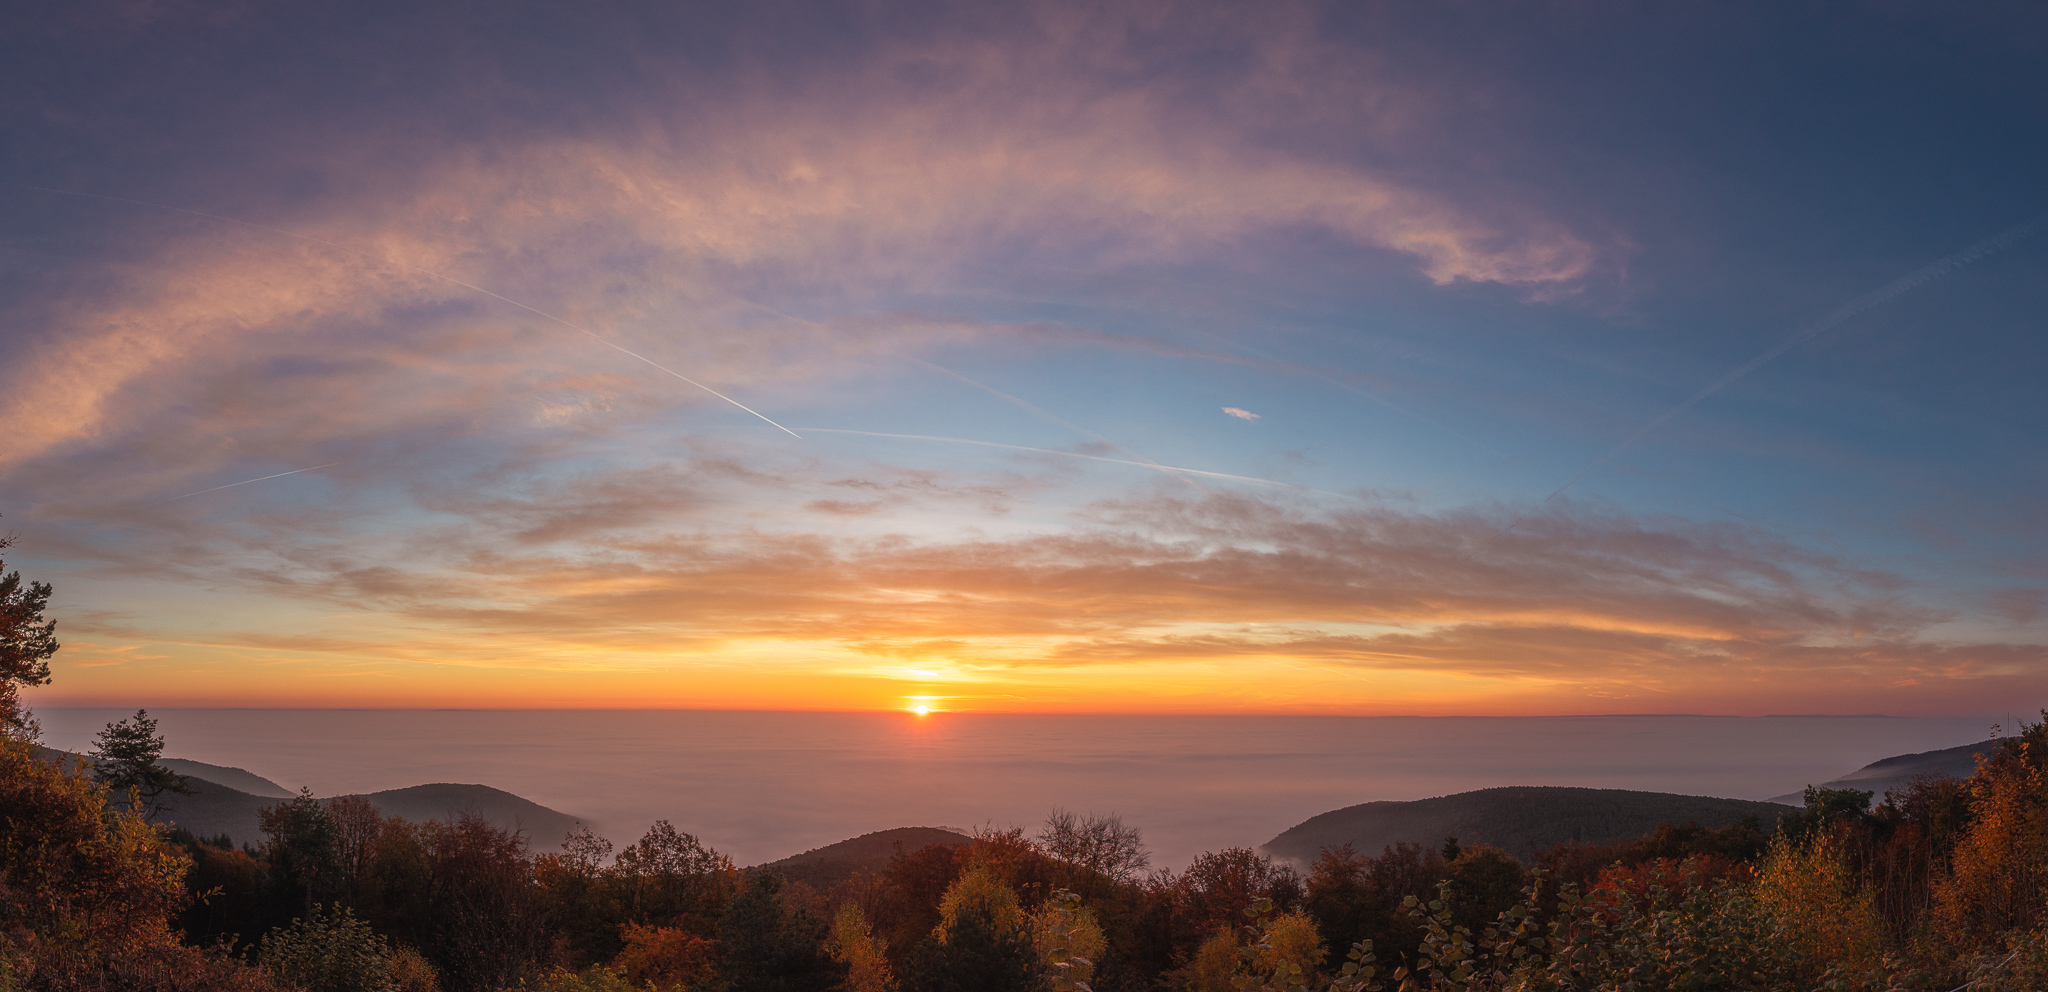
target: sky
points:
(1345, 358)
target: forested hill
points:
(835, 863)
(1519, 819)
(215, 808)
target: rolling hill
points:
(835, 863)
(233, 778)
(216, 807)
(1890, 773)
(1519, 819)
(543, 828)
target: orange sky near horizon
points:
(96, 672)
(1299, 357)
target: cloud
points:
(2018, 605)
(939, 160)
(791, 209)
(626, 569)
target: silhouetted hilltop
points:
(1519, 819)
(215, 808)
(238, 779)
(544, 828)
(234, 778)
(1890, 773)
(834, 863)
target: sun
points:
(921, 710)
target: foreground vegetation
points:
(1944, 885)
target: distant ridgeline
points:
(1524, 820)
(227, 800)
(835, 863)
(1878, 777)
(1521, 820)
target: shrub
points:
(595, 978)
(332, 952)
(664, 958)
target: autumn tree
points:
(485, 925)
(301, 850)
(665, 959)
(88, 892)
(1485, 881)
(1220, 885)
(769, 948)
(908, 906)
(579, 893)
(1102, 846)
(668, 875)
(978, 954)
(357, 826)
(866, 959)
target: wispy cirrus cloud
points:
(943, 163)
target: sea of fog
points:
(760, 786)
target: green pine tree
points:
(124, 759)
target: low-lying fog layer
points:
(759, 786)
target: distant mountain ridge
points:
(832, 864)
(234, 778)
(215, 808)
(1885, 774)
(1521, 820)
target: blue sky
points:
(1449, 255)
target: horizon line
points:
(905, 711)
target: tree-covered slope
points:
(215, 809)
(1520, 819)
(834, 863)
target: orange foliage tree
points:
(87, 893)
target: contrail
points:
(1155, 466)
(594, 336)
(1869, 301)
(245, 482)
(1043, 415)
(1348, 381)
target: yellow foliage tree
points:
(980, 888)
(855, 946)
(1820, 905)
(1214, 967)
(1292, 940)
(87, 892)
(1998, 874)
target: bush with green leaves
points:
(329, 952)
(595, 978)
